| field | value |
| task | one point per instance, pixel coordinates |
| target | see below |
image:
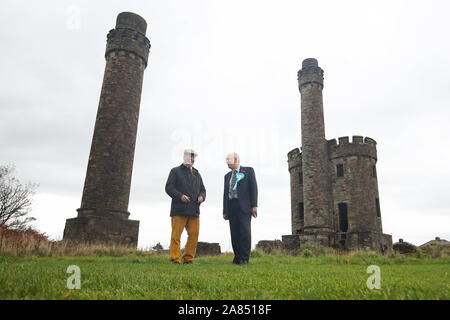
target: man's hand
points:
(185, 198)
(254, 212)
(225, 217)
(200, 199)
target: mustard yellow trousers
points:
(192, 225)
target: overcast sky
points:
(222, 76)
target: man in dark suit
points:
(185, 186)
(240, 203)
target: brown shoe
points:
(188, 262)
(176, 262)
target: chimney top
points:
(310, 62)
(132, 21)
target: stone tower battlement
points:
(129, 36)
(310, 73)
(294, 159)
(360, 146)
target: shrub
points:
(418, 254)
(256, 254)
(30, 242)
(20, 242)
(307, 253)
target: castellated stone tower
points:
(334, 187)
(103, 214)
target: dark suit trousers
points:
(240, 228)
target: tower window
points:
(377, 203)
(301, 211)
(340, 170)
(343, 221)
(300, 177)
(374, 171)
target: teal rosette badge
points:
(239, 177)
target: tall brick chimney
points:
(316, 185)
(103, 214)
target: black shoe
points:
(243, 262)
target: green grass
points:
(267, 277)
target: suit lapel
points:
(228, 181)
(245, 175)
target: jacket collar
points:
(187, 168)
(240, 169)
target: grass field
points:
(138, 276)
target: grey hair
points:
(234, 155)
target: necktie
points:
(233, 193)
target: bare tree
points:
(15, 199)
